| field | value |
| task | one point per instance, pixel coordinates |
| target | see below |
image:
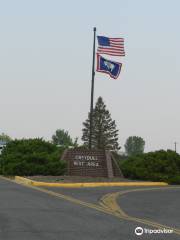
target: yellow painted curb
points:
(23, 180)
(89, 184)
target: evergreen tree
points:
(104, 132)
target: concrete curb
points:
(23, 180)
(88, 184)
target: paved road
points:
(30, 214)
(162, 205)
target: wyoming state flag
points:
(107, 66)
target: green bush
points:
(175, 179)
(29, 157)
(154, 166)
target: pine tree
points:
(104, 132)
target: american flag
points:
(111, 46)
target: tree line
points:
(40, 157)
(104, 134)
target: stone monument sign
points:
(91, 163)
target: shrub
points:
(154, 166)
(32, 157)
(174, 180)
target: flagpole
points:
(92, 91)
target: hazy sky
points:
(46, 59)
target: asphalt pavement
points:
(162, 205)
(31, 214)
